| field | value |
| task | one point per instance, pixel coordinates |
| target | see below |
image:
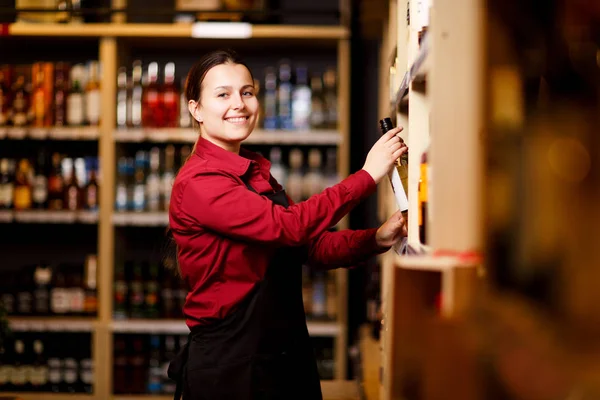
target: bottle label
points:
(54, 371)
(121, 198)
(59, 301)
(40, 189)
(22, 197)
(75, 109)
(70, 370)
(25, 302)
(42, 299)
(19, 376)
(6, 372)
(139, 198)
(76, 300)
(39, 375)
(93, 106)
(6, 195)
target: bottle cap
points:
(385, 125)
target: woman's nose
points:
(238, 103)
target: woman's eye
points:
(222, 95)
(248, 94)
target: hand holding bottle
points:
(392, 230)
(384, 153)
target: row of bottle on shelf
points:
(55, 362)
(48, 94)
(61, 362)
(66, 289)
(58, 182)
(289, 98)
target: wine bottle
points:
(399, 175)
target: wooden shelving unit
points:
(442, 113)
(110, 37)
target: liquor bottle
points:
(55, 368)
(72, 193)
(169, 98)
(270, 99)
(38, 96)
(56, 184)
(153, 181)
(139, 189)
(25, 292)
(122, 114)
(180, 296)
(86, 366)
(330, 96)
(70, 365)
(90, 303)
(170, 351)
(154, 367)
(7, 365)
(319, 298)
(167, 295)
(22, 199)
(423, 198)
(136, 96)
(5, 96)
(76, 290)
(6, 184)
(40, 182)
(121, 289)
(151, 98)
(120, 366)
(136, 291)
(301, 100)
(168, 176)
(59, 295)
(399, 175)
(20, 102)
(91, 192)
(42, 277)
(61, 89)
(92, 94)
(314, 181)
(19, 372)
(138, 363)
(75, 99)
(295, 180)
(317, 115)
(151, 308)
(121, 189)
(284, 96)
(39, 370)
(8, 293)
(278, 170)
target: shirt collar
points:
(228, 161)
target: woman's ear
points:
(194, 108)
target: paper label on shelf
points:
(222, 30)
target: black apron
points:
(262, 349)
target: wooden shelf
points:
(178, 30)
(48, 217)
(54, 133)
(187, 135)
(332, 390)
(432, 263)
(47, 396)
(175, 326)
(132, 218)
(55, 324)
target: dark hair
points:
(193, 91)
(193, 82)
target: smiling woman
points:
(242, 243)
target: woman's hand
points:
(384, 154)
(391, 231)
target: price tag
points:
(222, 30)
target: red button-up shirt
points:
(227, 234)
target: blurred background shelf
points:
(48, 217)
(52, 324)
(259, 136)
(45, 396)
(132, 218)
(51, 133)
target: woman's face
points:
(228, 106)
